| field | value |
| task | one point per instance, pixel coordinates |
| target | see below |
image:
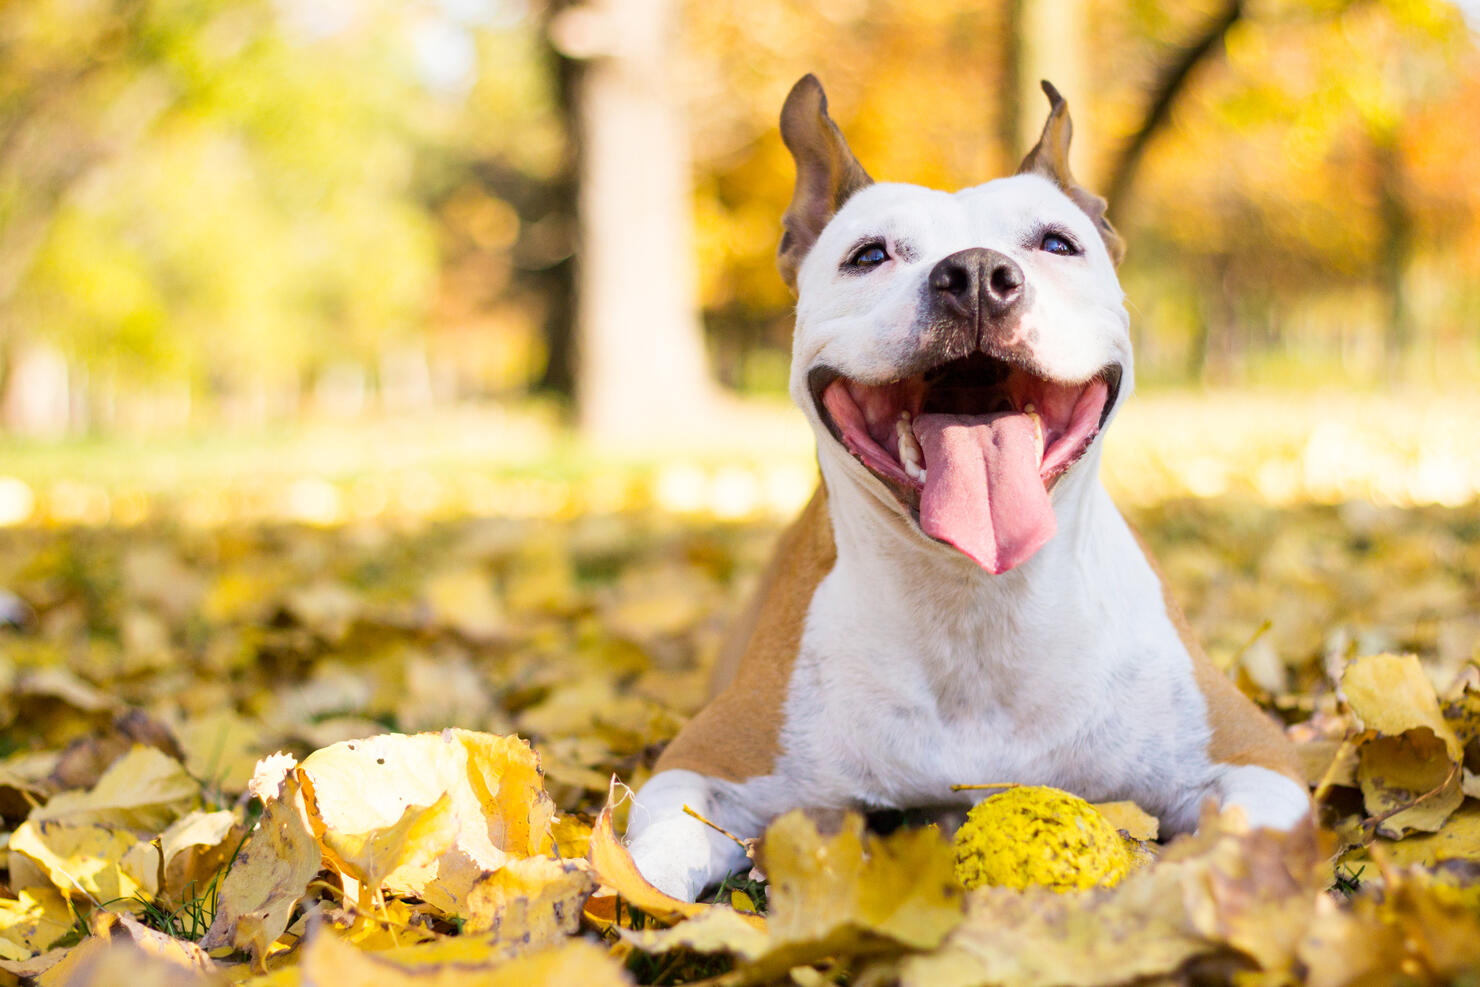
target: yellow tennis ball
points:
(1029, 836)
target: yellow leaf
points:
(571, 836)
(31, 922)
(1409, 757)
(79, 859)
(327, 960)
(144, 790)
(1391, 694)
(122, 963)
(1411, 770)
(1457, 839)
(901, 887)
(120, 949)
(195, 847)
(533, 900)
(390, 925)
(221, 747)
(496, 807)
(271, 872)
(718, 930)
(1129, 818)
(403, 855)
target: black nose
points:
(978, 276)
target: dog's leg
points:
(677, 853)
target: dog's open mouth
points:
(972, 447)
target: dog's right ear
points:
(827, 173)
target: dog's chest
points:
(898, 695)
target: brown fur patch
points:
(737, 736)
(1241, 732)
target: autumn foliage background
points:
(335, 402)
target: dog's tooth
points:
(914, 472)
(1037, 430)
(910, 453)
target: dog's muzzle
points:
(972, 444)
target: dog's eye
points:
(869, 255)
(1057, 243)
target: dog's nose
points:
(978, 276)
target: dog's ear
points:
(1050, 158)
(827, 173)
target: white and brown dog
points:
(961, 601)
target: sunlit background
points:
(327, 260)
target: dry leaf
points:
(375, 799)
(271, 872)
(1408, 761)
(1392, 694)
(115, 946)
(532, 900)
(31, 922)
(1458, 839)
(82, 860)
(329, 962)
(145, 790)
(1130, 819)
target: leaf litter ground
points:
(382, 754)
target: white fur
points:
(917, 669)
(676, 852)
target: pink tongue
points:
(983, 493)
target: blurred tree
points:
(641, 368)
(204, 192)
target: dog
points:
(961, 602)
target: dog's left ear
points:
(1050, 158)
(827, 173)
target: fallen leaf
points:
(119, 942)
(1130, 819)
(463, 600)
(327, 960)
(1408, 782)
(532, 900)
(495, 806)
(31, 921)
(1391, 694)
(1408, 760)
(1458, 839)
(271, 872)
(82, 860)
(401, 855)
(717, 930)
(122, 963)
(145, 790)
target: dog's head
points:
(961, 351)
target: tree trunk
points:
(1050, 38)
(641, 367)
(1393, 253)
(558, 281)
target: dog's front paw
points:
(1267, 798)
(662, 864)
(678, 854)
